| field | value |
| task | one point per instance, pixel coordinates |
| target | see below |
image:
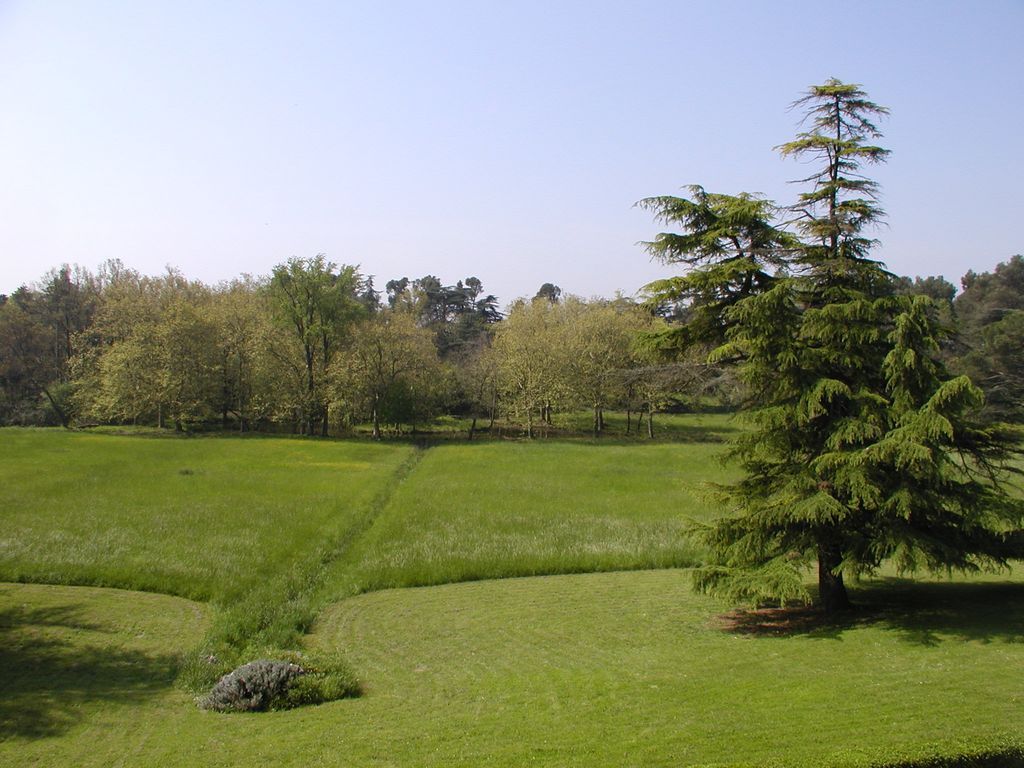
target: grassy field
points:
(604, 669)
(201, 518)
(499, 509)
(79, 664)
(247, 524)
(616, 669)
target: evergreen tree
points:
(862, 448)
(732, 248)
(991, 314)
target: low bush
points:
(291, 681)
(255, 686)
(325, 679)
(972, 757)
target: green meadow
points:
(500, 509)
(204, 518)
(128, 560)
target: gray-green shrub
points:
(256, 686)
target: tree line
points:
(314, 349)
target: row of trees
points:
(314, 348)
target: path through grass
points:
(604, 669)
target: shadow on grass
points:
(51, 669)
(923, 613)
(675, 434)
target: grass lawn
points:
(618, 668)
(613, 669)
(82, 665)
(246, 524)
(497, 509)
(202, 517)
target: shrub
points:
(324, 679)
(292, 682)
(255, 686)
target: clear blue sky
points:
(503, 140)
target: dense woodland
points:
(315, 349)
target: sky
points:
(508, 141)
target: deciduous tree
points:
(531, 355)
(389, 368)
(317, 301)
(598, 338)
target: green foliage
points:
(389, 370)
(862, 447)
(569, 354)
(732, 249)
(316, 304)
(457, 315)
(531, 361)
(295, 679)
(325, 677)
(988, 295)
(991, 310)
(841, 203)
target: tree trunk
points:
(629, 420)
(831, 589)
(61, 414)
(597, 421)
(376, 423)
(311, 405)
(650, 422)
(472, 428)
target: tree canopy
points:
(862, 448)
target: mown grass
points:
(80, 661)
(616, 669)
(500, 509)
